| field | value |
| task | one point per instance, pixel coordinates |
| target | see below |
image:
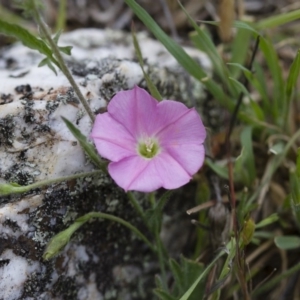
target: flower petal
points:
(112, 140)
(168, 112)
(172, 174)
(188, 129)
(134, 109)
(135, 173)
(138, 174)
(190, 157)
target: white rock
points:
(36, 145)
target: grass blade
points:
(278, 20)
(191, 66)
(278, 87)
(152, 88)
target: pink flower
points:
(150, 144)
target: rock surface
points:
(104, 260)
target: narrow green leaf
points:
(67, 49)
(87, 147)
(43, 62)
(258, 111)
(247, 26)
(202, 40)
(177, 272)
(244, 167)
(246, 141)
(278, 85)
(179, 54)
(295, 195)
(279, 19)
(152, 88)
(218, 65)
(47, 61)
(57, 36)
(236, 24)
(293, 76)
(163, 295)
(240, 48)
(267, 221)
(269, 284)
(28, 39)
(184, 273)
(191, 289)
(217, 168)
(154, 215)
(298, 163)
(241, 67)
(287, 242)
(241, 88)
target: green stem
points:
(272, 282)
(152, 199)
(8, 189)
(118, 220)
(160, 250)
(61, 20)
(59, 241)
(160, 253)
(61, 63)
(137, 207)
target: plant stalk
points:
(62, 64)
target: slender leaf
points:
(180, 55)
(154, 215)
(28, 39)
(240, 87)
(152, 88)
(278, 20)
(87, 147)
(66, 49)
(202, 40)
(267, 221)
(287, 242)
(191, 289)
(185, 273)
(236, 24)
(269, 284)
(278, 85)
(217, 168)
(241, 67)
(163, 295)
(293, 76)
(46, 61)
(240, 48)
(295, 196)
(244, 166)
(298, 163)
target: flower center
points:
(148, 148)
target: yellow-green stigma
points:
(148, 148)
